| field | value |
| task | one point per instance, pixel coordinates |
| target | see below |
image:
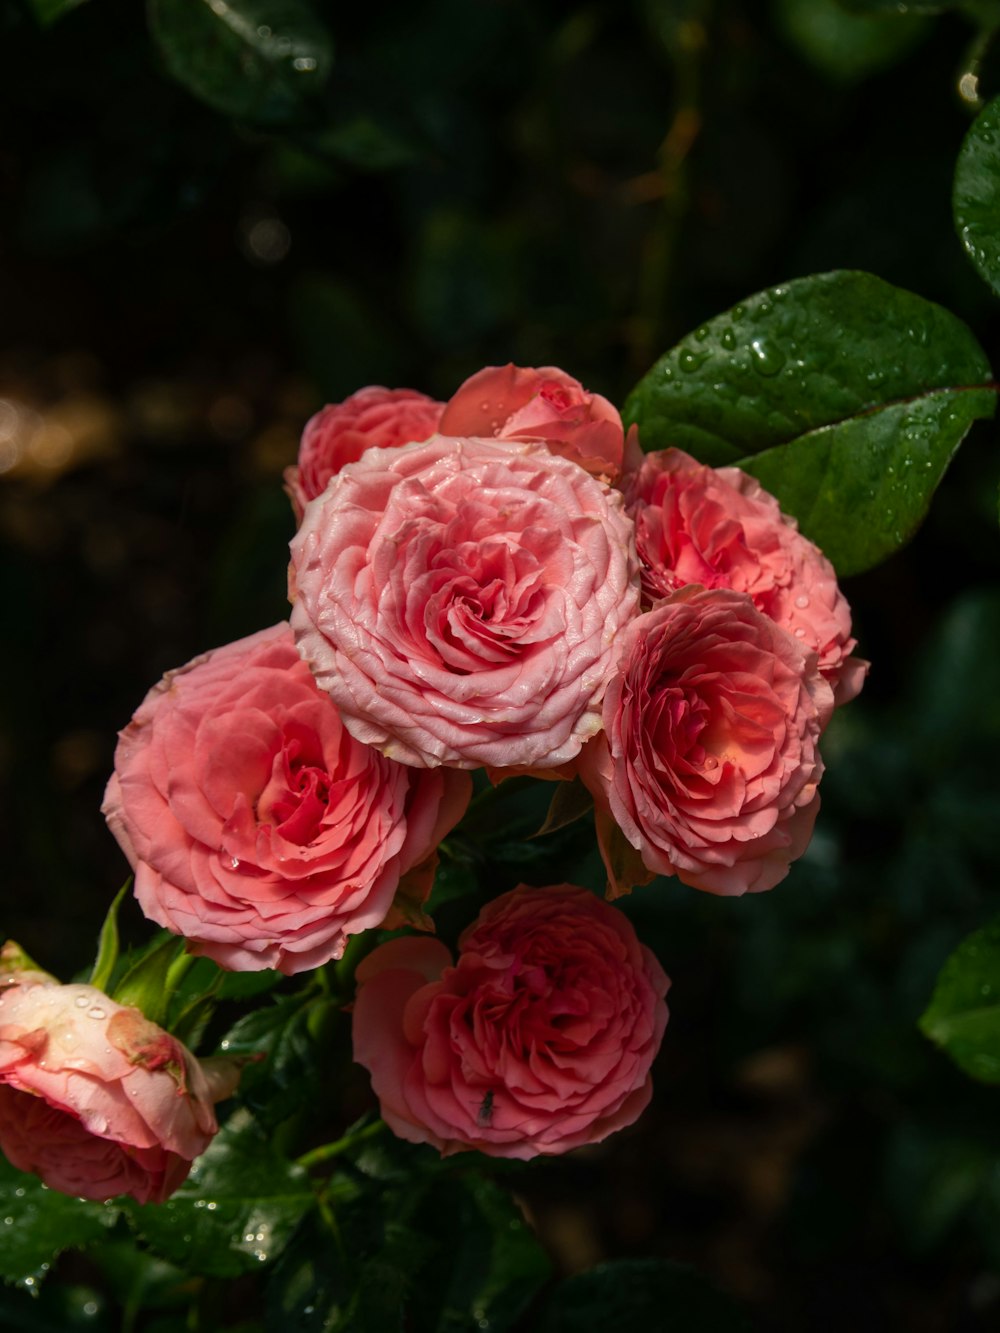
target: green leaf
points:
(635, 1295)
(860, 489)
(489, 1266)
(108, 943)
(144, 983)
(236, 1210)
(37, 1223)
(570, 801)
(858, 393)
(291, 1074)
(47, 11)
(843, 45)
(260, 60)
(976, 193)
(963, 1016)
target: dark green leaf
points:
(489, 1266)
(858, 390)
(861, 488)
(37, 1223)
(976, 195)
(636, 1295)
(290, 1074)
(108, 944)
(47, 11)
(570, 801)
(899, 8)
(261, 60)
(236, 1210)
(844, 45)
(963, 1016)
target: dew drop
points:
(95, 1011)
(711, 762)
(689, 360)
(802, 601)
(767, 359)
(800, 633)
(8, 1221)
(728, 339)
(234, 863)
(81, 1001)
(702, 333)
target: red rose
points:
(720, 528)
(341, 432)
(709, 762)
(98, 1101)
(258, 828)
(538, 1039)
(520, 403)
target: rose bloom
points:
(537, 1040)
(523, 403)
(341, 432)
(460, 599)
(720, 528)
(257, 827)
(97, 1100)
(709, 763)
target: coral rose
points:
(720, 528)
(97, 1100)
(522, 403)
(539, 1039)
(341, 432)
(258, 828)
(460, 600)
(709, 764)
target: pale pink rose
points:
(341, 432)
(709, 763)
(720, 528)
(98, 1101)
(525, 403)
(539, 1039)
(258, 828)
(460, 601)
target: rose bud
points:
(257, 827)
(709, 763)
(98, 1101)
(720, 528)
(538, 1039)
(522, 403)
(341, 432)
(460, 598)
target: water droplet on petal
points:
(95, 1011)
(711, 762)
(81, 1001)
(802, 601)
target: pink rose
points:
(97, 1100)
(341, 432)
(539, 1039)
(460, 600)
(519, 403)
(720, 528)
(709, 764)
(258, 828)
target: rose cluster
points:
(501, 582)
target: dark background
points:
(491, 180)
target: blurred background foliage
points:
(209, 228)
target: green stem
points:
(326, 1151)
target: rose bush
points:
(95, 1099)
(341, 432)
(720, 528)
(537, 1040)
(527, 403)
(709, 762)
(460, 599)
(257, 827)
